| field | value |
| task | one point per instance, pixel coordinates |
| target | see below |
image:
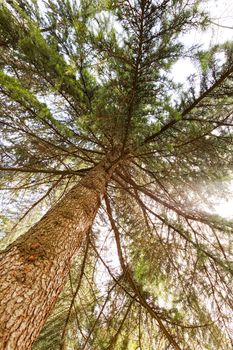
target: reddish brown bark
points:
(34, 267)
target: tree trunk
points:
(33, 269)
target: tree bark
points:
(33, 269)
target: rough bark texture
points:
(34, 267)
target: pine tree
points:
(95, 132)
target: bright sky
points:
(221, 12)
(225, 208)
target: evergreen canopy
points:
(82, 80)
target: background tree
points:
(87, 102)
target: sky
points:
(221, 13)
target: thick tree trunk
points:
(34, 267)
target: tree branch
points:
(45, 171)
(132, 283)
(190, 107)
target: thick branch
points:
(44, 171)
(190, 107)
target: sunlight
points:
(225, 209)
(224, 206)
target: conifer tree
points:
(98, 141)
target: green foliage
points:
(84, 80)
